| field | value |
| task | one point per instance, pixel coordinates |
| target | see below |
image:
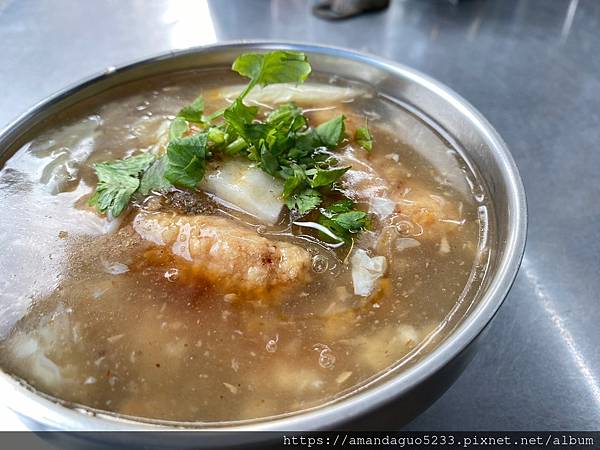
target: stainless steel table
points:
(532, 67)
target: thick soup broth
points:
(137, 316)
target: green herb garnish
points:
(282, 143)
(117, 181)
(304, 201)
(364, 138)
(272, 68)
(193, 113)
(326, 177)
(178, 128)
(154, 179)
(331, 132)
(343, 219)
(186, 160)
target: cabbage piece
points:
(33, 351)
(65, 151)
(382, 206)
(151, 133)
(366, 271)
(313, 93)
(246, 187)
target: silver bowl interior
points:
(461, 124)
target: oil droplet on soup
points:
(117, 316)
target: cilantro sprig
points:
(364, 138)
(282, 143)
(343, 219)
(117, 181)
(271, 68)
(186, 160)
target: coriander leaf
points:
(186, 160)
(268, 161)
(364, 138)
(341, 206)
(352, 221)
(178, 128)
(132, 165)
(331, 132)
(305, 144)
(154, 178)
(193, 112)
(345, 205)
(278, 66)
(238, 116)
(340, 232)
(117, 181)
(254, 132)
(305, 201)
(287, 116)
(326, 177)
(343, 220)
(294, 181)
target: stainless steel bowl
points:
(415, 387)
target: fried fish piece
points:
(225, 253)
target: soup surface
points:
(220, 304)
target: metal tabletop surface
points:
(530, 66)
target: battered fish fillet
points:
(436, 215)
(225, 253)
(432, 215)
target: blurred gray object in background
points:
(344, 9)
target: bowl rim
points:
(57, 416)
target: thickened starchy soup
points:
(259, 250)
